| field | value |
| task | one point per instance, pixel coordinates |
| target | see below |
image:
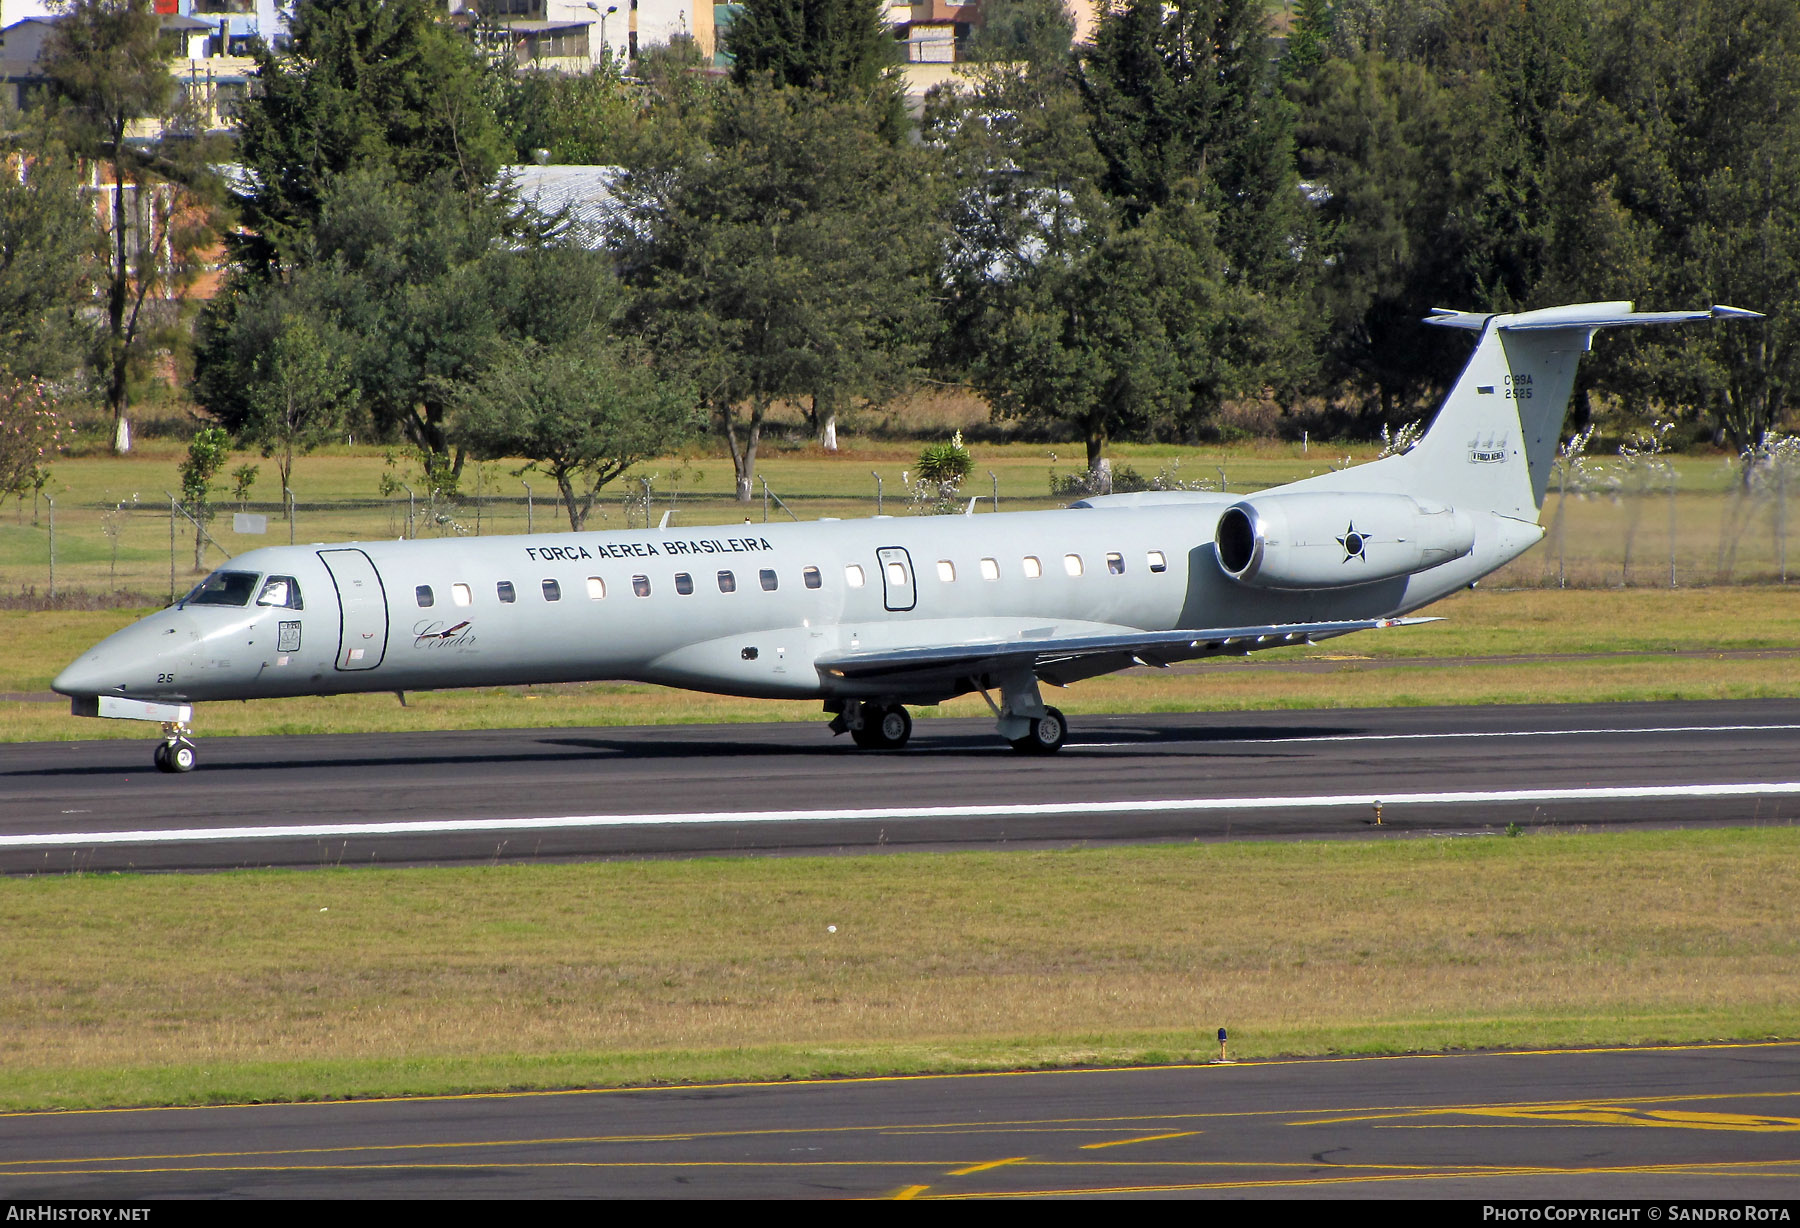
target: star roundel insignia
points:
(1353, 543)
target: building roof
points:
(583, 194)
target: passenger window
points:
(640, 585)
(812, 577)
(1115, 563)
(1033, 568)
(460, 594)
(596, 588)
(946, 571)
(280, 591)
(769, 582)
(853, 575)
(423, 596)
(552, 591)
(1072, 564)
(896, 574)
(684, 583)
(505, 589)
(727, 582)
(1157, 562)
(990, 569)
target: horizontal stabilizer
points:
(1166, 645)
(1582, 315)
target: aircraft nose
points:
(124, 663)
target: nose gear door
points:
(362, 605)
(898, 592)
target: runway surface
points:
(685, 790)
(1718, 1122)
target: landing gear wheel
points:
(162, 757)
(883, 728)
(174, 757)
(1048, 732)
(895, 727)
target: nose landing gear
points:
(175, 753)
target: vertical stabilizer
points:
(1493, 443)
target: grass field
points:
(259, 985)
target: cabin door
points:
(898, 592)
(362, 606)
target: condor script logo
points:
(433, 633)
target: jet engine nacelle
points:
(1308, 541)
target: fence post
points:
(1673, 479)
(996, 484)
(51, 500)
(877, 477)
(530, 515)
(171, 549)
(288, 495)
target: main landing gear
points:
(175, 753)
(1046, 735)
(1021, 716)
(873, 725)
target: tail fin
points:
(1492, 444)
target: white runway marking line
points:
(1421, 737)
(1021, 810)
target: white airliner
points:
(872, 615)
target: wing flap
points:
(1045, 654)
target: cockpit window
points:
(282, 591)
(224, 588)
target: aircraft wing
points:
(1068, 658)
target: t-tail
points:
(1492, 445)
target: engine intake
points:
(1310, 541)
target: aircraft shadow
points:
(976, 743)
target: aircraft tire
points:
(883, 728)
(161, 756)
(894, 728)
(181, 758)
(1048, 733)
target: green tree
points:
(583, 411)
(1098, 337)
(1379, 151)
(589, 119)
(383, 85)
(1697, 103)
(1309, 40)
(48, 247)
(107, 70)
(1186, 106)
(791, 255)
(1022, 31)
(207, 453)
(1189, 118)
(843, 46)
(424, 285)
(299, 391)
(32, 434)
(1023, 178)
